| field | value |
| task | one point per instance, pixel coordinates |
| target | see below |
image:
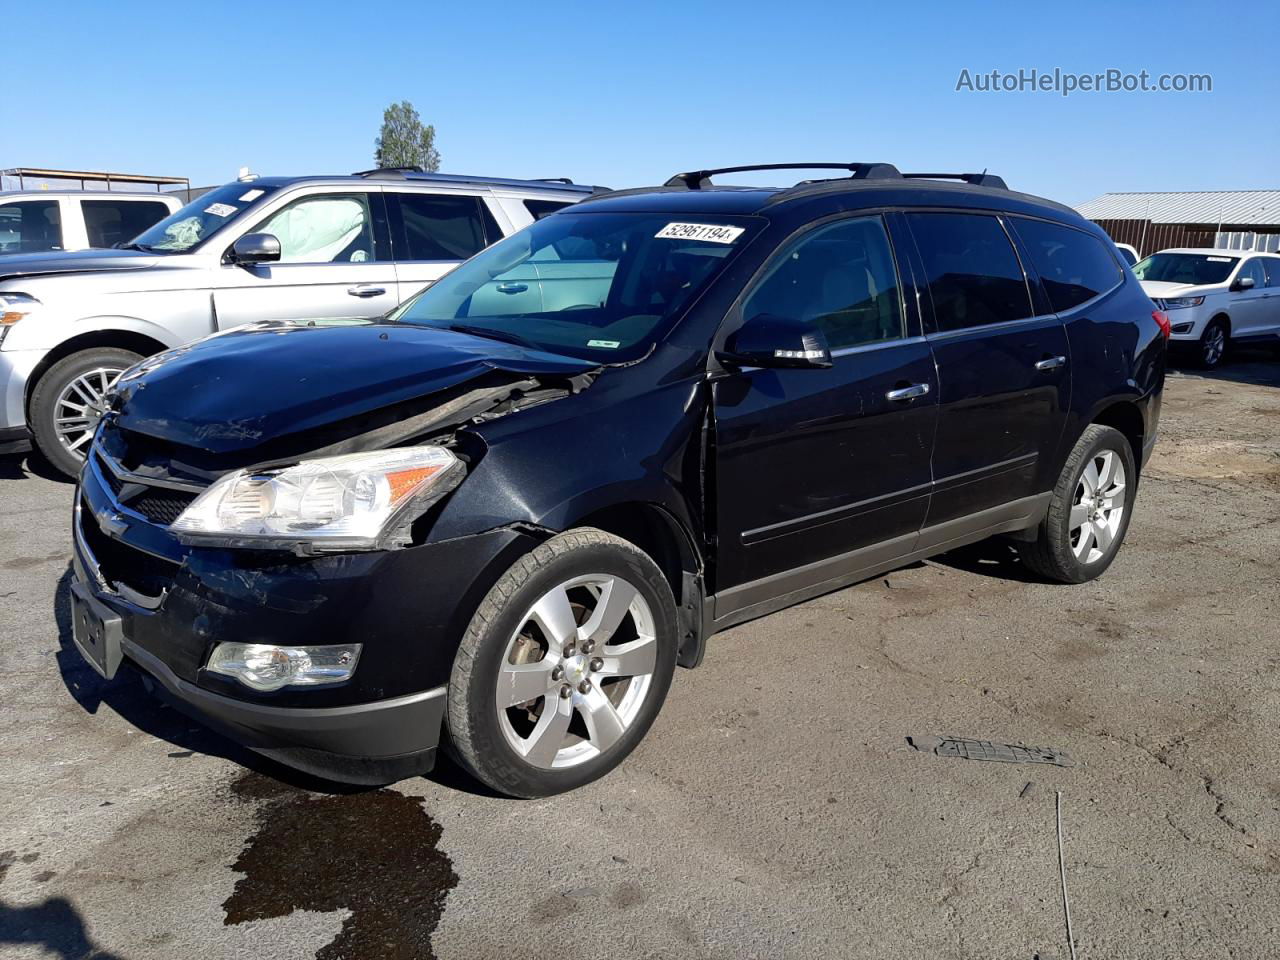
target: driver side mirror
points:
(255, 248)
(1242, 283)
(774, 342)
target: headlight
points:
(361, 501)
(15, 307)
(1177, 303)
(264, 666)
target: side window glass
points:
(1073, 266)
(841, 278)
(30, 226)
(1272, 267)
(972, 273)
(326, 228)
(109, 222)
(441, 226)
(541, 208)
(1253, 268)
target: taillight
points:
(1162, 320)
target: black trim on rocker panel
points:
(780, 590)
(811, 520)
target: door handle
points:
(1051, 363)
(511, 287)
(366, 290)
(908, 393)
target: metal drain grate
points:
(968, 749)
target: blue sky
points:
(627, 95)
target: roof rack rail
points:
(388, 172)
(698, 179)
(983, 179)
(554, 180)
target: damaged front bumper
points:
(142, 598)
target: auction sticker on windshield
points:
(711, 232)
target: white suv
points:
(1214, 297)
(279, 248)
(37, 221)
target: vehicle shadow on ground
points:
(1257, 366)
(126, 695)
(15, 466)
(989, 558)
(54, 925)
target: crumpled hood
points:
(80, 261)
(250, 386)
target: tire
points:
(70, 384)
(1071, 551)
(516, 747)
(1212, 347)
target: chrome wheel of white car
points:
(80, 405)
(577, 671)
(70, 398)
(564, 666)
(1213, 344)
(1099, 507)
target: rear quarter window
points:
(1073, 266)
(543, 208)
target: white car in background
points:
(1129, 253)
(1215, 297)
(41, 221)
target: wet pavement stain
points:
(374, 854)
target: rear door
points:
(1271, 266)
(434, 232)
(1003, 367)
(813, 465)
(334, 262)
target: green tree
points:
(404, 140)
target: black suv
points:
(507, 510)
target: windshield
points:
(200, 218)
(602, 286)
(1199, 269)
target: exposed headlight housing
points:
(360, 501)
(1178, 303)
(266, 667)
(15, 307)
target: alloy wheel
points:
(1098, 507)
(577, 671)
(80, 405)
(1214, 345)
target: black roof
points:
(747, 201)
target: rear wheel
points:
(564, 665)
(1089, 510)
(69, 400)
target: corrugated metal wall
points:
(1147, 237)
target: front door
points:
(334, 262)
(1249, 308)
(813, 465)
(1003, 372)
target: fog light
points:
(265, 666)
(1183, 327)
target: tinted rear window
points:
(1073, 266)
(972, 273)
(30, 226)
(109, 222)
(441, 227)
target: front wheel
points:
(1089, 509)
(564, 665)
(69, 400)
(1213, 344)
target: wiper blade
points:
(504, 335)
